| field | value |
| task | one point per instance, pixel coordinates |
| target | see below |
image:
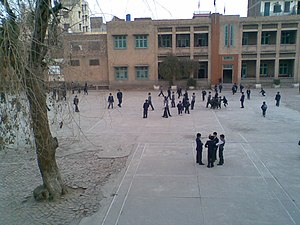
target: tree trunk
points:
(53, 186)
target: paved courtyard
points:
(258, 184)
(161, 184)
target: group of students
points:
(213, 144)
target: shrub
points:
(191, 82)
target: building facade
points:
(76, 17)
(229, 49)
(272, 8)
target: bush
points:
(191, 82)
(276, 81)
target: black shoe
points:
(220, 164)
(201, 164)
(208, 166)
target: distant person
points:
(203, 95)
(120, 98)
(242, 99)
(210, 145)
(225, 101)
(277, 98)
(85, 89)
(199, 148)
(241, 88)
(180, 108)
(216, 140)
(173, 100)
(193, 101)
(263, 92)
(76, 102)
(264, 108)
(166, 113)
(208, 99)
(221, 145)
(150, 100)
(161, 92)
(145, 108)
(248, 92)
(110, 101)
(169, 93)
(220, 88)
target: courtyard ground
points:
(124, 169)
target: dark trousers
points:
(221, 157)
(145, 114)
(242, 104)
(192, 105)
(120, 102)
(199, 156)
(264, 112)
(210, 158)
(277, 103)
(150, 104)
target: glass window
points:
(141, 41)
(231, 35)
(283, 69)
(287, 6)
(277, 8)
(263, 69)
(183, 40)
(141, 72)
(74, 62)
(120, 41)
(245, 40)
(94, 62)
(165, 40)
(201, 40)
(265, 38)
(121, 73)
(226, 34)
(244, 70)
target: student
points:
(263, 92)
(264, 109)
(203, 95)
(242, 99)
(225, 101)
(193, 101)
(145, 107)
(110, 101)
(221, 144)
(119, 97)
(216, 141)
(76, 102)
(179, 108)
(173, 100)
(248, 92)
(166, 113)
(208, 99)
(161, 92)
(199, 148)
(150, 100)
(210, 145)
(277, 98)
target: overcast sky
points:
(164, 9)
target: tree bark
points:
(53, 186)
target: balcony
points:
(201, 50)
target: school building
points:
(230, 49)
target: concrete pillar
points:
(277, 47)
(258, 53)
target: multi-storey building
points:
(76, 17)
(228, 49)
(272, 7)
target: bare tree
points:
(31, 74)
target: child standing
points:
(264, 108)
(221, 144)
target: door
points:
(227, 76)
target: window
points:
(66, 26)
(287, 6)
(165, 40)
(277, 8)
(79, 13)
(283, 69)
(288, 37)
(141, 41)
(120, 41)
(94, 62)
(121, 73)
(74, 62)
(201, 40)
(245, 39)
(141, 72)
(79, 26)
(183, 40)
(65, 14)
(228, 58)
(226, 34)
(263, 70)
(265, 38)
(244, 70)
(76, 46)
(94, 45)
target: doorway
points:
(227, 76)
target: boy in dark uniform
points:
(221, 149)
(210, 145)
(199, 147)
(145, 107)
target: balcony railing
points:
(249, 48)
